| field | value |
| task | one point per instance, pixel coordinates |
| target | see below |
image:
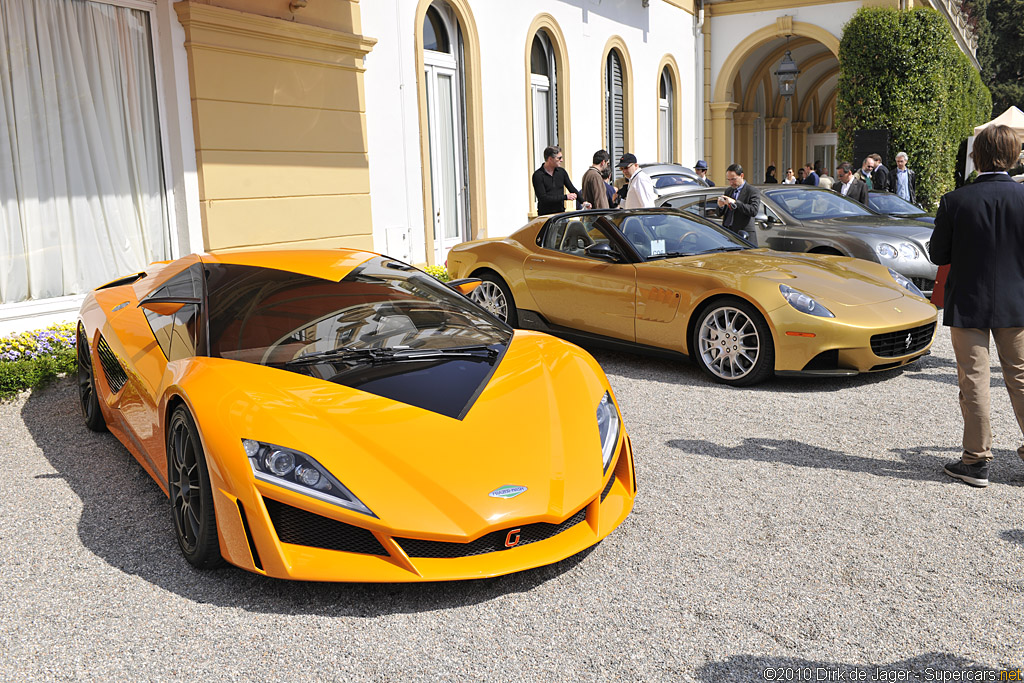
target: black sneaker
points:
(975, 475)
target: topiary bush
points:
(902, 71)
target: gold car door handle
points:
(534, 259)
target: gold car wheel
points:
(188, 481)
(489, 295)
(729, 343)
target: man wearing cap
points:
(701, 167)
(641, 188)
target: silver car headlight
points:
(886, 250)
(607, 428)
(299, 472)
(908, 250)
(906, 283)
(804, 303)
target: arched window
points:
(544, 95)
(666, 117)
(615, 103)
(435, 33)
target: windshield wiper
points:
(717, 249)
(380, 356)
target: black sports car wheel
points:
(87, 397)
(495, 296)
(195, 522)
(733, 344)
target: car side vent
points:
(116, 377)
(123, 281)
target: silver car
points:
(670, 178)
(818, 221)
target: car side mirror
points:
(602, 250)
(465, 285)
(764, 221)
(162, 307)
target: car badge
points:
(512, 538)
(118, 307)
(507, 491)
(897, 309)
(910, 339)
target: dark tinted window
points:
(176, 333)
(267, 316)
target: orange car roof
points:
(329, 264)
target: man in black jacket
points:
(979, 232)
(849, 185)
(879, 173)
(740, 203)
(550, 182)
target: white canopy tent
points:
(1012, 117)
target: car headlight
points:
(804, 303)
(908, 250)
(607, 428)
(299, 472)
(906, 283)
(887, 250)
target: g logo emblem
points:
(512, 539)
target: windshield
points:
(658, 235)
(673, 180)
(271, 317)
(807, 204)
(891, 204)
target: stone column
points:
(773, 145)
(799, 140)
(743, 125)
(721, 139)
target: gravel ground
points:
(799, 530)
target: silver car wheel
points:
(728, 342)
(489, 295)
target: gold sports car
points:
(668, 281)
(336, 415)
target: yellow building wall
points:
(279, 118)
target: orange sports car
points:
(336, 415)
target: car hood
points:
(875, 225)
(533, 425)
(837, 279)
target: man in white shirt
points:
(641, 188)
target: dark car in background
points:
(818, 221)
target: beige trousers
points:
(970, 345)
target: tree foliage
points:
(1000, 27)
(902, 71)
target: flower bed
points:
(32, 359)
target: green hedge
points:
(18, 375)
(902, 71)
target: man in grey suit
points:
(739, 204)
(849, 185)
(979, 232)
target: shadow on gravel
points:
(126, 522)
(918, 464)
(937, 666)
(1013, 536)
(686, 373)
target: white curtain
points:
(81, 178)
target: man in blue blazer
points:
(979, 232)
